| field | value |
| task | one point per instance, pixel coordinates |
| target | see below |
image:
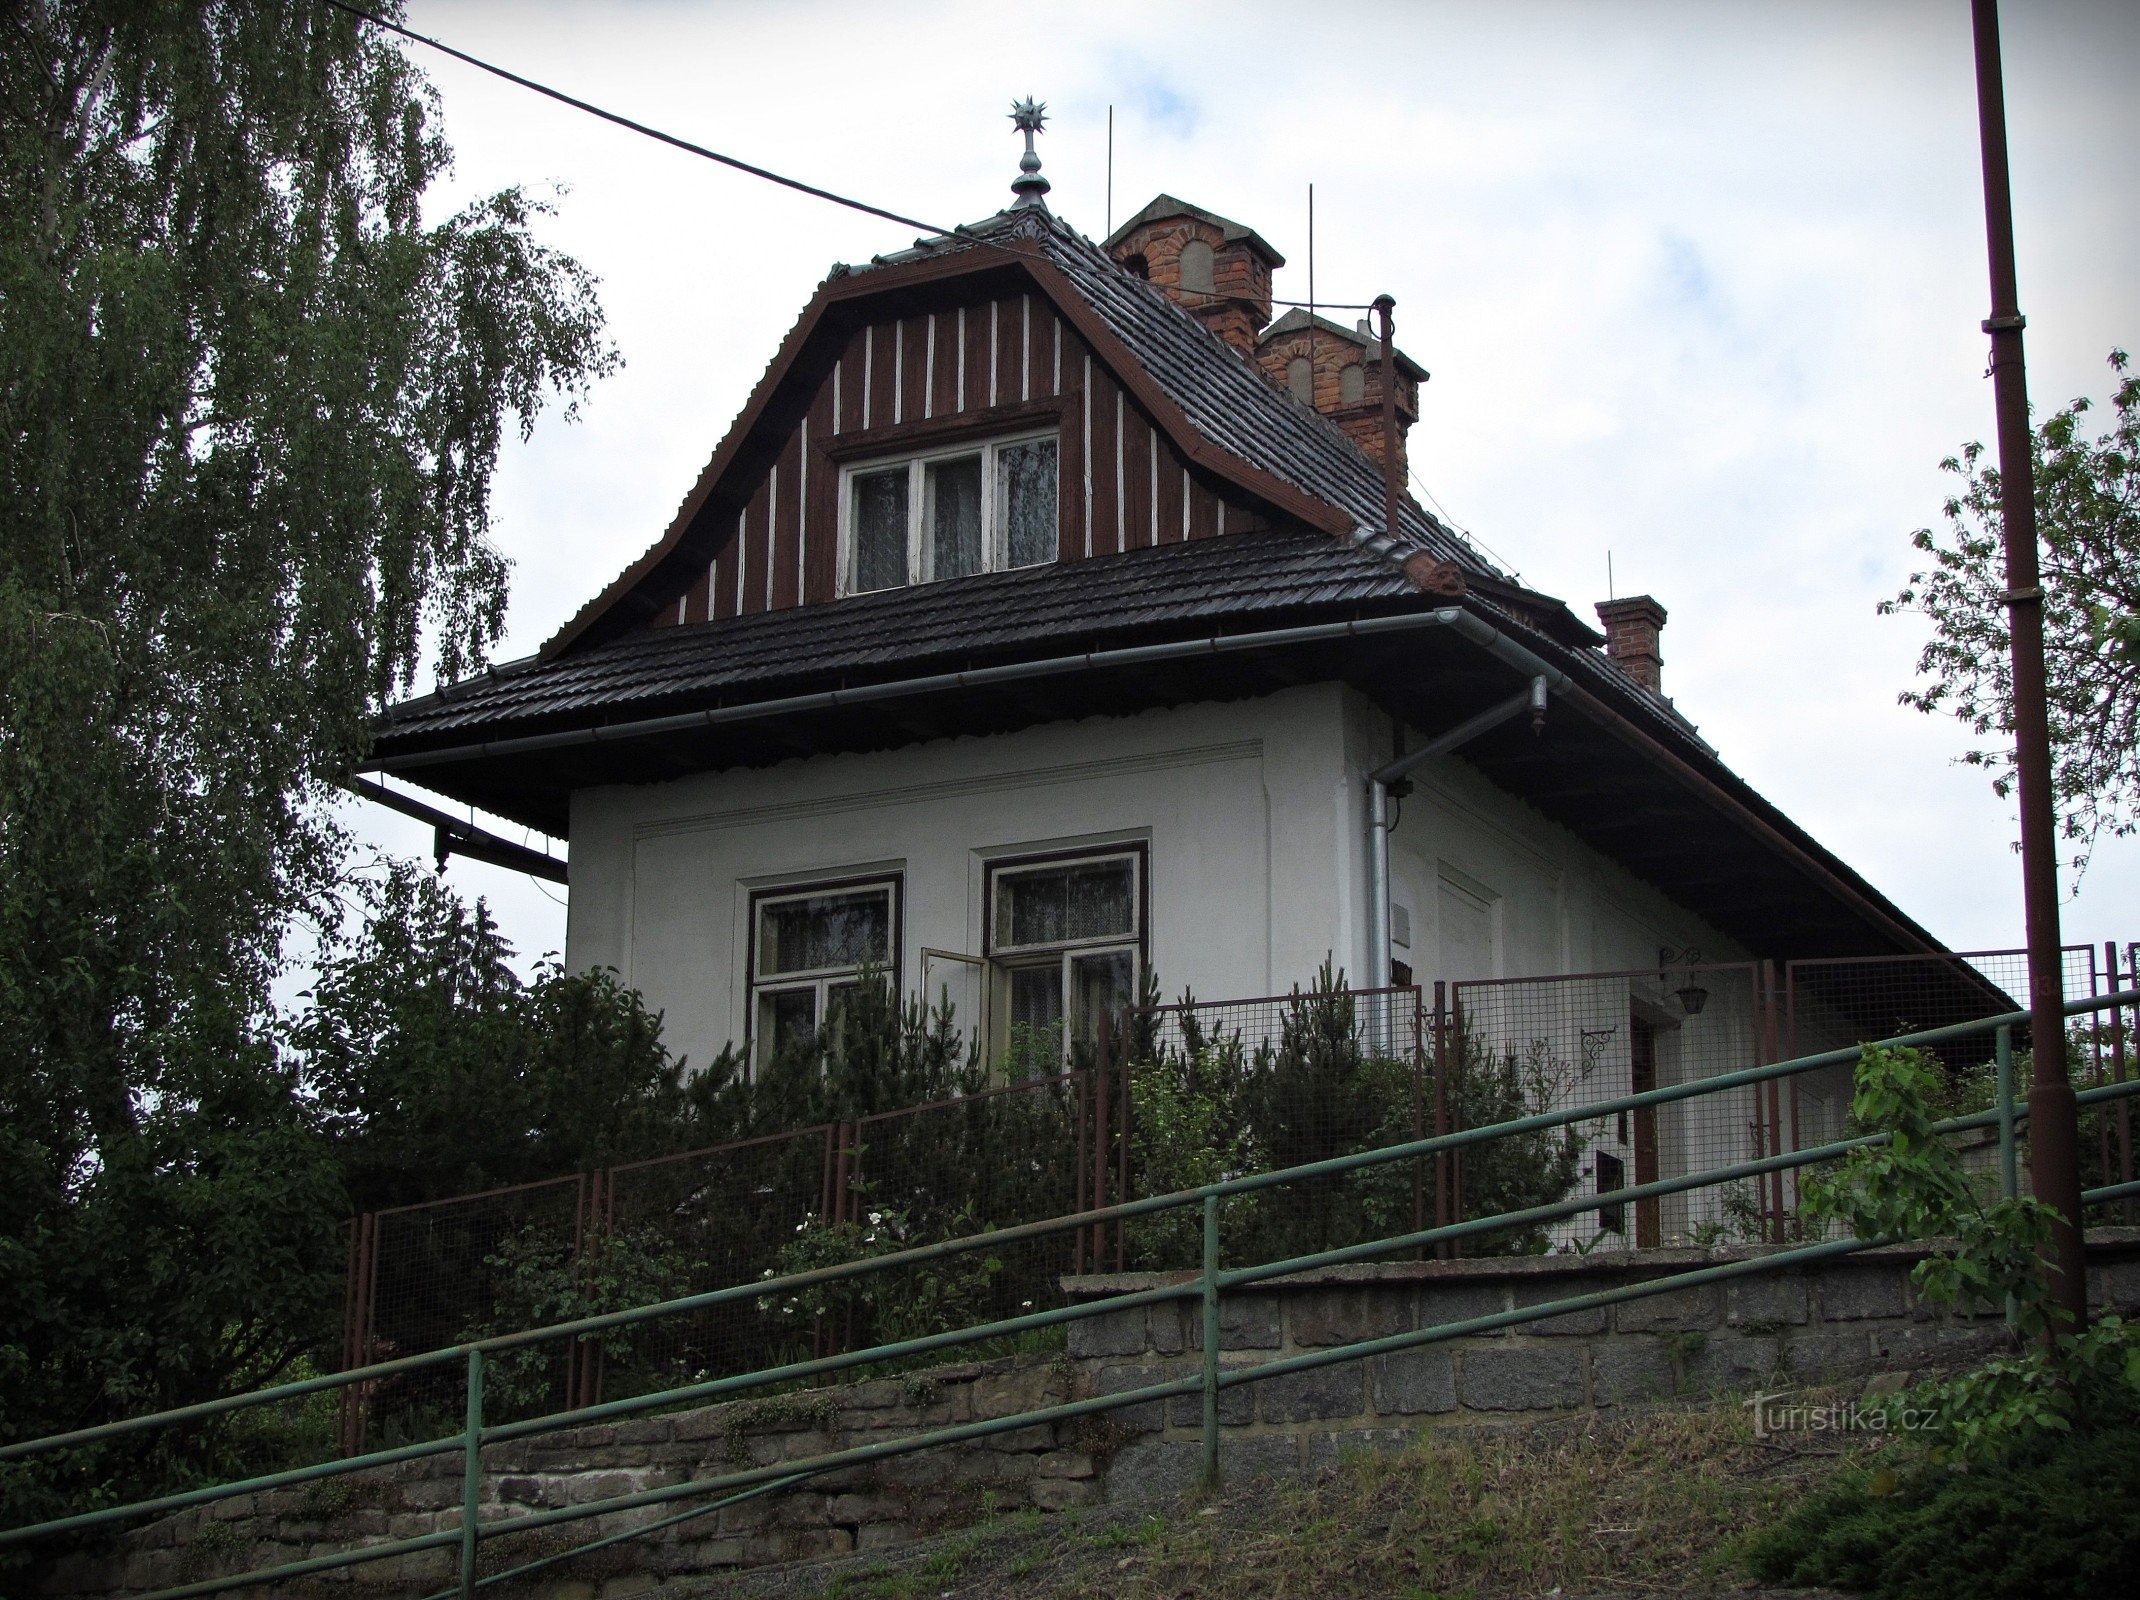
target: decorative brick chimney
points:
(1631, 629)
(1216, 270)
(1338, 370)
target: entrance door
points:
(1642, 1047)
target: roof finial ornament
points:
(1029, 116)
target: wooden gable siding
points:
(1002, 363)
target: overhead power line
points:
(591, 109)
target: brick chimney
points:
(1631, 629)
(1338, 370)
(1216, 270)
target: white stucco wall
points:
(1243, 808)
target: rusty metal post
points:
(1441, 1109)
(1391, 481)
(1083, 1083)
(1122, 1109)
(1099, 1144)
(1772, 1050)
(2054, 1122)
(2118, 1059)
(1419, 1112)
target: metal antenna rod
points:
(2054, 1122)
(1110, 172)
(1311, 294)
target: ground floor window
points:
(808, 946)
(1065, 947)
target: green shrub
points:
(2063, 1520)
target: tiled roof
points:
(1235, 583)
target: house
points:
(1038, 624)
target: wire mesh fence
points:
(1833, 1001)
(428, 1276)
(1178, 1096)
(1213, 1090)
(1507, 1046)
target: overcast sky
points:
(1698, 284)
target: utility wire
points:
(626, 122)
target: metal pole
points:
(471, 1473)
(1211, 1340)
(2054, 1122)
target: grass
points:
(1661, 1502)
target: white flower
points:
(875, 1217)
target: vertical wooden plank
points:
(1085, 454)
(978, 361)
(995, 352)
(944, 366)
(1010, 350)
(1106, 462)
(1070, 482)
(883, 376)
(725, 567)
(1135, 449)
(1025, 353)
(914, 368)
(1121, 472)
(1203, 511)
(900, 413)
(785, 515)
(1166, 496)
(695, 596)
(854, 381)
(822, 507)
(756, 566)
(1056, 323)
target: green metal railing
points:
(1207, 1285)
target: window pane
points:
(880, 529)
(1050, 905)
(1101, 985)
(954, 501)
(1025, 502)
(786, 1018)
(1036, 997)
(825, 930)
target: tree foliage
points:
(439, 1072)
(2088, 525)
(251, 400)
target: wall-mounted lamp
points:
(1691, 995)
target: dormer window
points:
(948, 513)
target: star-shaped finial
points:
(1029, 116)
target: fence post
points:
(1099, 1144)
(1441, 1110)
(471, 1473)
(1211, 1340)
(2124, 1166)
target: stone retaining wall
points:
(1837, 1321)
(1840, 1320)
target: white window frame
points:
(1004, 960)
(995, 545)
(820, 981)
